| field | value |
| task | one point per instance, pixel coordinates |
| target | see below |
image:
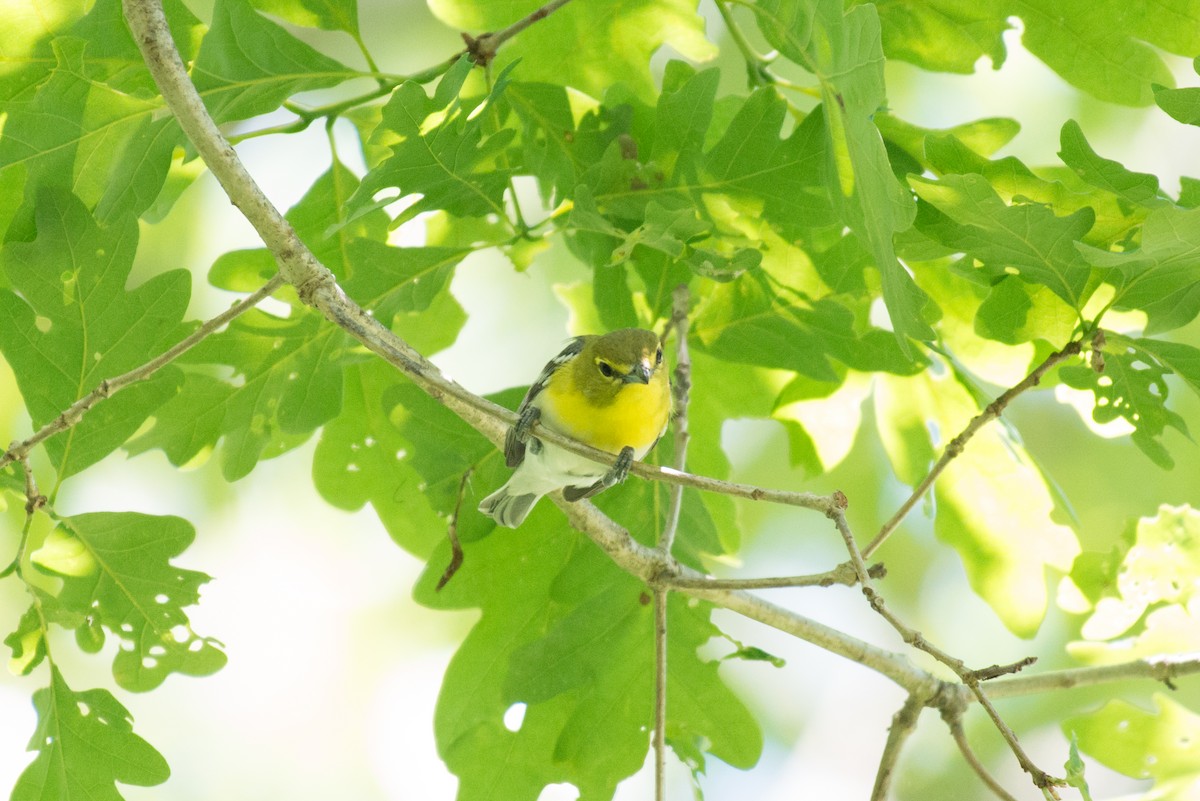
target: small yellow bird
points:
(611, 392)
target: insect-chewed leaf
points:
(1140, 594)
(116, 572)
(86, 745)
(1158, 744)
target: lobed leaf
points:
(1142, 593)
(86, 745)
(1162, 277)
(1131, 387)
(74, 324)
(1027, 240)
(843, 51)
(248, 65)
(451, 162)
(116, 573)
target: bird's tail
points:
(506, 508)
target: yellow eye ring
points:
(606, 369)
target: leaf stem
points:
(756, 64)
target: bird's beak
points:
(640, 374)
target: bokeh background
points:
(334, 671)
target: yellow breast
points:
(637, 416)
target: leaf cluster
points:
(833, 252)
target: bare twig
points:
(681, 388)
(1162, 669)
(843, 574)
(111, 386)
(482, 49)
(904, 722)
(456, 551)
(660, 694)
(956, 445)
(970, 678)
(34, 499)
(964, 746)
(995, 671)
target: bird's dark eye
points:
(606, 369)
(658, 357)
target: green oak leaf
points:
(1162, 277)
(86, 745)
(362, 457)
(1062, 189)
(787, 175)
(742, 321)
(112, 56)
(288, 371)
(943, 35)
(451, 164)
(983, 137)
(1182, 104)
(1141, 593)
(330, 15)
(1182, 359)
(1158, 743)
(1028, 240)
(75, 314)
(1107, 48)
(287, 382)
(1133, 187)
(248, 65)
(88, 138)
(1132, 386)
(116, 572)
(587, 46)
(1014, 312)
(442, 449)
(842, 49)
(609, 636)
(536, 588)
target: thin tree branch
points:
(483, 49)
(970, 678)
(843, 574)
(993, 410)
(964, 746)
(111, 386)
(34, 499)
(904, 722)
(660, 694)
(1163, 669)
(681, 388)
(649, 565)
